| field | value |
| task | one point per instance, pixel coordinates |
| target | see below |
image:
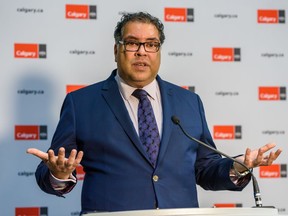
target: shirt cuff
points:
(62, 185)
(237, 179)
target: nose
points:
(141, 50)
(141, 44)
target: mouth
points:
(140, 64)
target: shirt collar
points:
(127, 90)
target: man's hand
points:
(257, 158)
(59, 166)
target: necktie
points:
(148, 130)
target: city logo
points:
(26, 173)
(30, 132)
(71, 88)
(179, 14)
(272, 93)
(31, 211)
(271, 16)
(226, 54)
(273, 171)
(226, 132)
(273, 132)
(190, 88)
(81, 11)
(80, 173)
(30, 50)
(227, 205)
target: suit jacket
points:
(119, 175)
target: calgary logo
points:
(30, 132)
(190, 88)
(227, 205)
(80, 173)
(30, 50)
(275, 93)
(179, 14)
(31, 211)
(271, 16)
(226, 54)
(227, 132)
(71, 88)
(273, 171)
(81, 11)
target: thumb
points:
(38, 153)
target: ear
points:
(115, 52)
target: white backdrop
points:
(247, 93)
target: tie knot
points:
(140, 93)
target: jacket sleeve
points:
(64, 136)
(213, 171)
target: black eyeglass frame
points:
(139, 45)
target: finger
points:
(79, 157)
(247, 158)
(36, 152)
(61, 157)
(267, 147)
(51, 157)
(75, 158)
(71, 159)
(259, 158)
(273, 156)
(277, 153)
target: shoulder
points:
(92, 88)
(95, 88)
(175, 89)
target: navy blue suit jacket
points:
(119, 175)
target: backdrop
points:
(232, 53)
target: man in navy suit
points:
(98, 128)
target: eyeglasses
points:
(134, 46)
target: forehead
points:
(140, 30)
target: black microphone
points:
(257, 195)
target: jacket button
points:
(155, 178)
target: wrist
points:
(241, 173)
(61, 176)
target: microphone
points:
(257, 194)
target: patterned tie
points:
(148, 130)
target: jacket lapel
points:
(168, 112)
(114, 99)
(110, 92)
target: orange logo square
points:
(272, 171)
(269, 93)
(224, 132)
(26, 50)
(267, 16)
(26, 132)
(77, 11)
(80, 172)
(175, 14)
(70, 88)
(223, 54)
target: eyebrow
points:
(135, 38)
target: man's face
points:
(138, 68)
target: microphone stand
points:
(256, 190)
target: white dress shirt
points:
(131, 102)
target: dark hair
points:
(138, 17)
